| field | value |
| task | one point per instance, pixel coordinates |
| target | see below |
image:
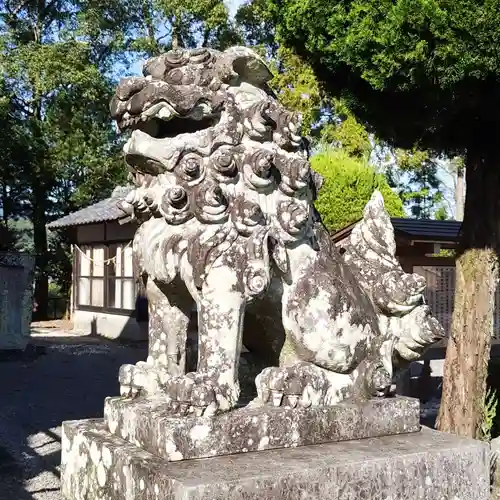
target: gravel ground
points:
(67, 382)
(64, 377)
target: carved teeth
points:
(276, 397)
(125, 391)
(129, 120)
(265, 395)
(164, 114)
(161, 110)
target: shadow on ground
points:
(59, 379)
(67, 378)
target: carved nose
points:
(127, 87)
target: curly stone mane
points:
(215, 154)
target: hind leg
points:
(169, 317)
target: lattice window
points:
(440, 294)
(104, 277)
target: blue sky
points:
(232, 5)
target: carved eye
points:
(177, 197)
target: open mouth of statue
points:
(158, 121)
(161, 121)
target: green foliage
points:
(415, 177)
(346, 132)
(159, 25)
(490, 405)
(57, 72)
(349, 184)
(255, 22)
(445, 252)
(327, 115)
(63, 150)
(296, 87)
(414, 70)
(324, 119)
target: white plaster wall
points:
(111, 326)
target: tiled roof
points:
(106, 210)
(103, 211)
(416, 229)
(446, 230)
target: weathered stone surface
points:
(16, 299)
(146, 423)
(426, 465)
(224, 195)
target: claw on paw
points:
(199, 394)
(128, 391)
(300, 385)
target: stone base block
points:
(425, 465)
(146, 423)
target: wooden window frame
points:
(107, 278)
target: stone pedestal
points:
(346, 452)
(425, 465)
(146, 423)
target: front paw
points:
(200, 394)
(301, 385)
(138, 379)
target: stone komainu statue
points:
(224, 196)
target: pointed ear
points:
(248, 66)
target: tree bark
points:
(41, 250)
(460, 194)
(175, 37)
(467, 355)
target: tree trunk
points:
(41, 251)
(467, 356)
(175, 38)
(460, 194)
(5, 205)
(150, 28)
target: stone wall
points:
(16, 299)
